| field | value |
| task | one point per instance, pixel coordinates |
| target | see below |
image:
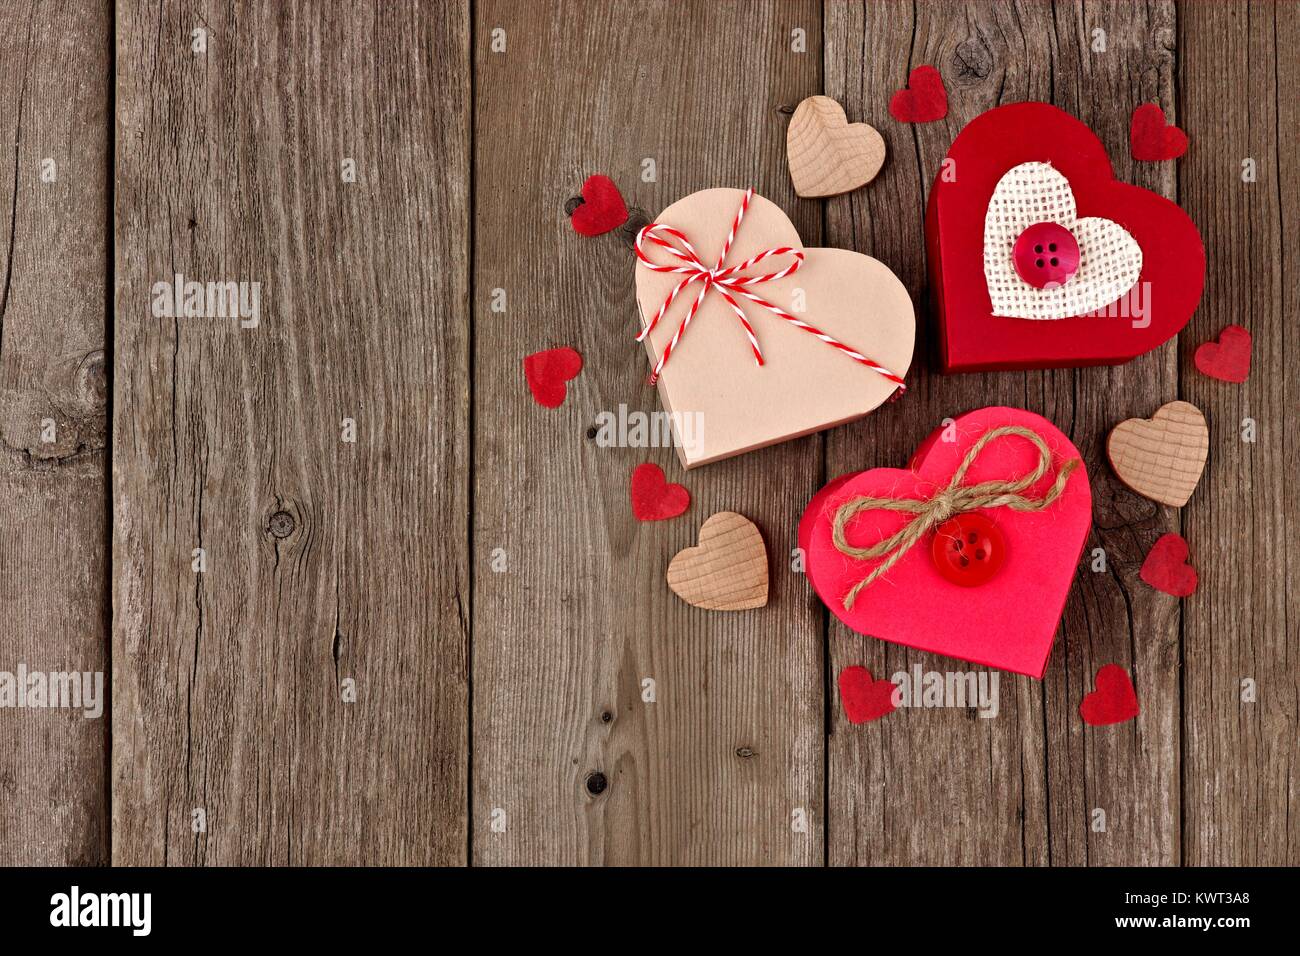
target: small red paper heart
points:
(1228, 359)
(548, 371)
(1151, 138)
(1113, 702)
(602, 207)
(653, 498)
(1166, 567)
(924, 100)
(864, 698)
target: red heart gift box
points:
(992, 590)
(1131, 266)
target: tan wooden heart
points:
(828, 155)
(1162, 457)
(727, 571)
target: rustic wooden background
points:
(470, 563)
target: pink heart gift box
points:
(1008, 621)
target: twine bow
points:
(955, 499)
(729, 284)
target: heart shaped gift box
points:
(1006, 618)
(796, 341)
(1039, 258)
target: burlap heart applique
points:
(1110, 260)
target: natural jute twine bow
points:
(952, 500)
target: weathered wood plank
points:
(577, 614)
(328, 561)
(1237, 99)
(943, 786)
(55, 95)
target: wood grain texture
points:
(55, 100)
(577, 615)
(941, 786)
(1241, 782)
(388, 560)
(328, 561)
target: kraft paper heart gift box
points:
(1004, 507)
(754, 339)
(1039, 258)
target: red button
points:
(968, 550)
(1046, 254)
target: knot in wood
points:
(281, 524)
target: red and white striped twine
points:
(729, 285)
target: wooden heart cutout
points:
(727, 571)
(805, 384)
(1161, 457)
(828, 155)
(1008, 621)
